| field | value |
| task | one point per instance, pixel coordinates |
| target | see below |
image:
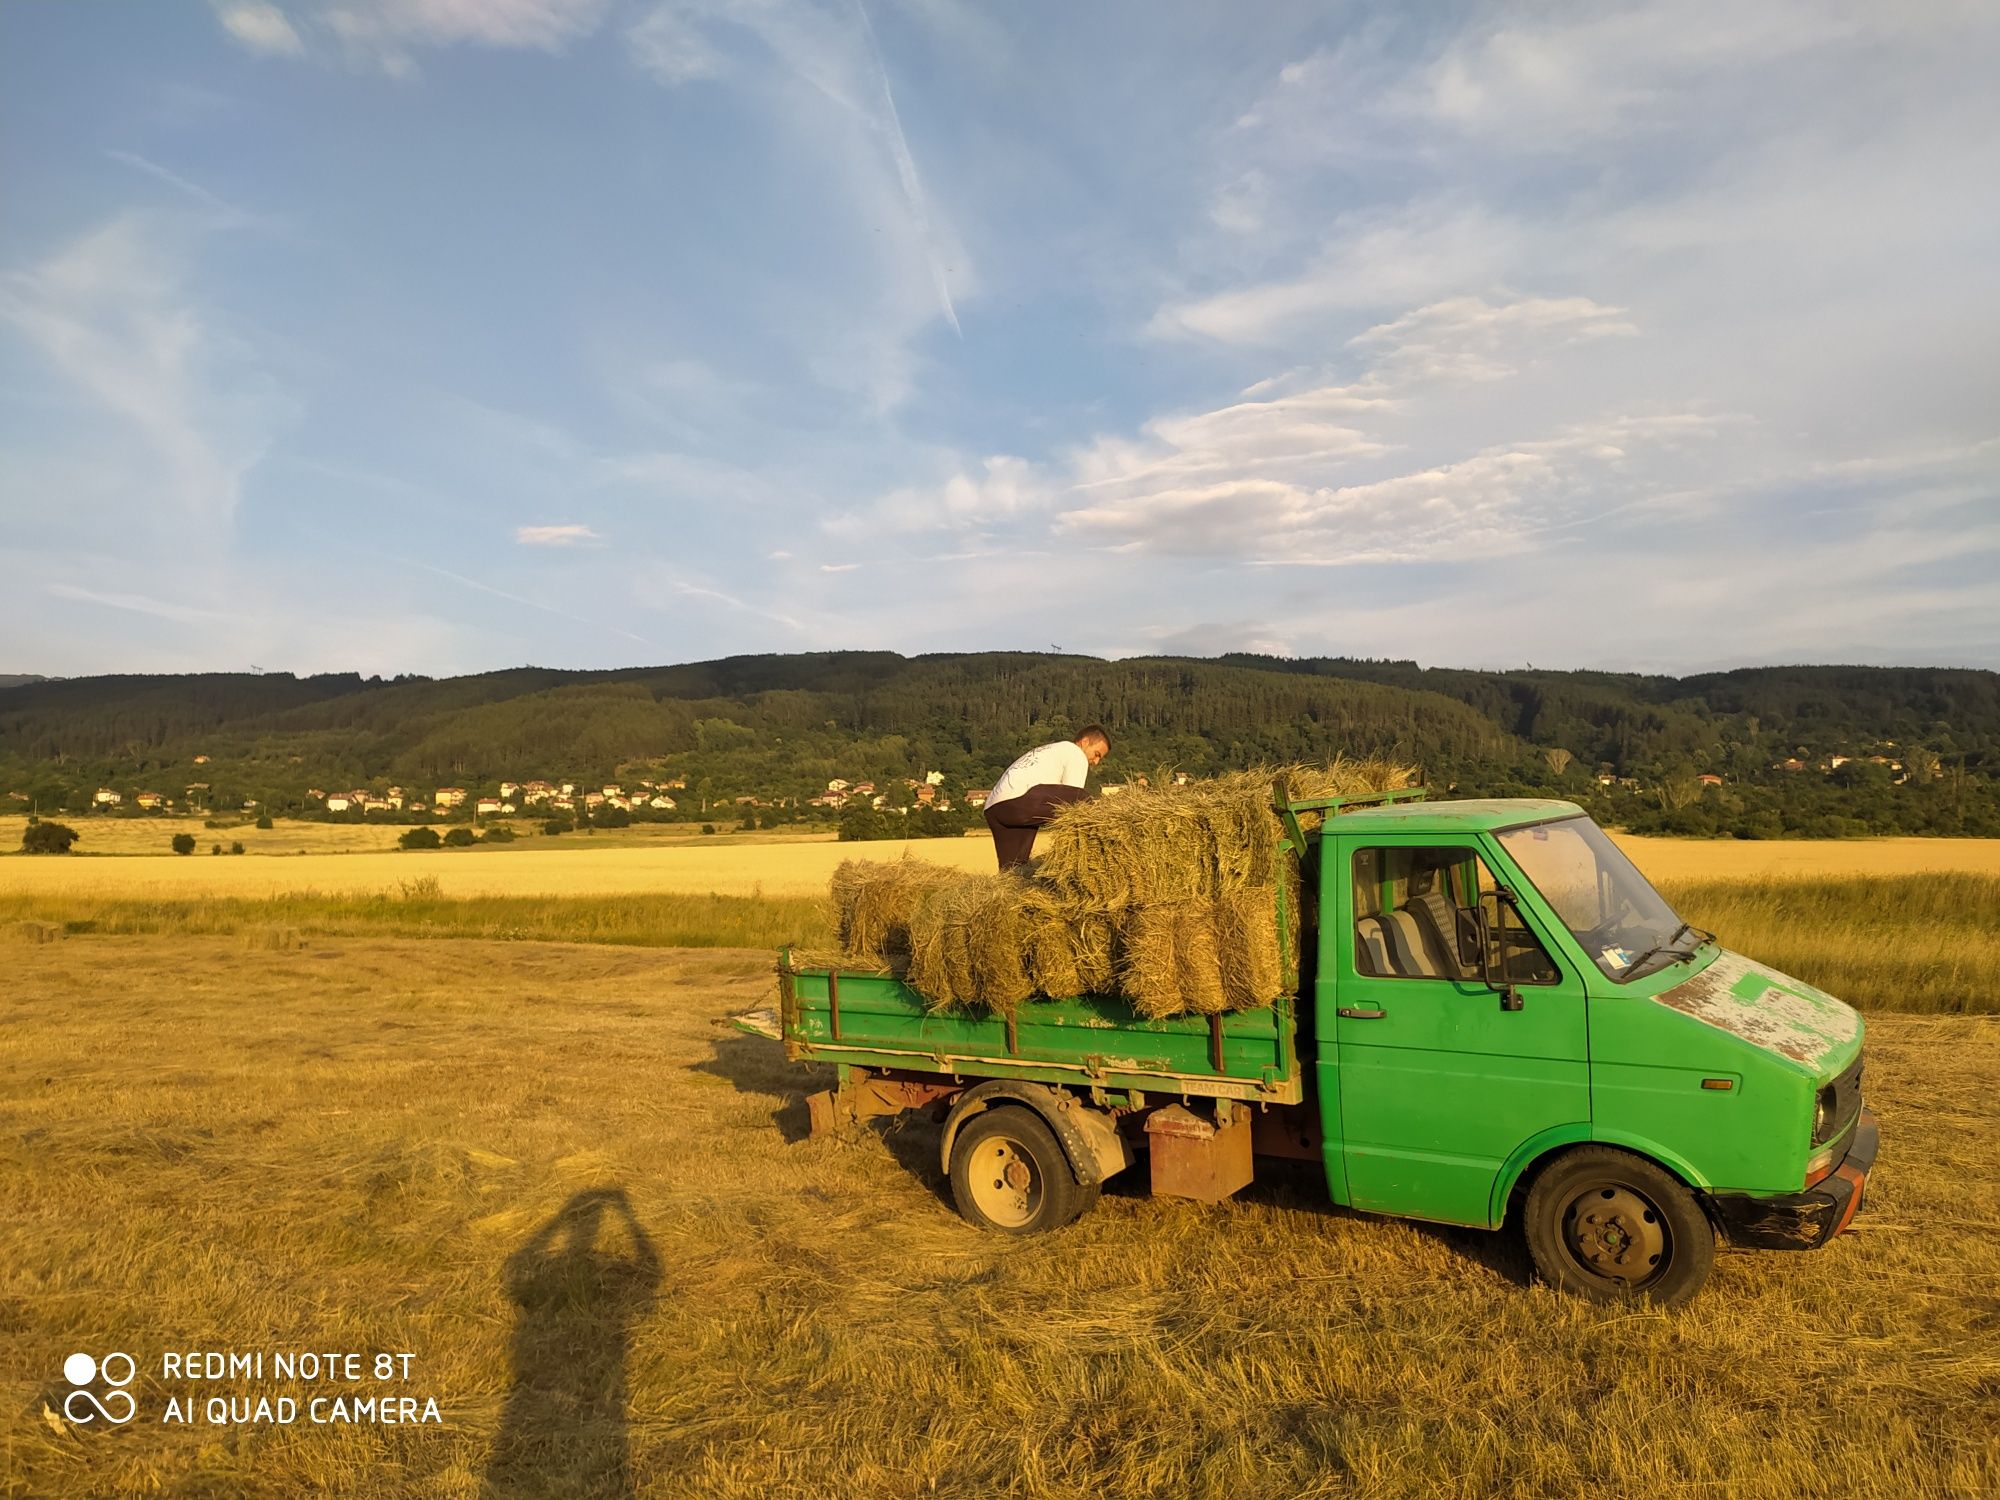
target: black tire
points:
(1009, 1175)
(1614, 1227)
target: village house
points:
(485, 806)
(838, 785)
(150, 801)
(201, 760)
(449, 796)
(927, 793)
(976, 797)
(864, 789)
(1790, 763)
(339, 802)
(508, 789)
(105, 797)
(663, 801)
(593, 799)
(536, 791)
(1709, 778)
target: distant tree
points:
(556, 825)
(499, 833)
(215, 848)
(263, 820)
(183, 843)
(48, 838)
(460, 838)
(419, 838)
(708, 828)
(236, 847)
(1558, 759)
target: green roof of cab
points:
(1472, 815)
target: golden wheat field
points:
(549, 1174)
(577, 865)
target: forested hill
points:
(781, 727)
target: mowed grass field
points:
(550, 1174)
(625, 864)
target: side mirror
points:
(1491, 915)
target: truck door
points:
(1438, 1082)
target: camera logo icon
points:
(116, 1371)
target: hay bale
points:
(40, 932)
(1196, 842)
(1198, 956)
(1253, 968)
(1050, 939)
(875, 902)
(997, 939)
(1168, 896)
(273, 939)
(941, 936)
(1149, 962)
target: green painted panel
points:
(1647, 1066)
(1094, 1037)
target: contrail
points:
(906, 168)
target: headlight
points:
(1822, 1114)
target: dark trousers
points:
(1014, 821)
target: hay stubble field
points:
(552, 1175)
(548, 1171)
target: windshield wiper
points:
(1701, 936)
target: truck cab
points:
(1491, 1019)
(1509, 1021)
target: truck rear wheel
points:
(1009, 1174)
(1614, 1227)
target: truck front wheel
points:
(1009, 1174)
(1614, 1227)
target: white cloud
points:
(387, 33)
(889, 267)
(555, 536)
(670, 47)
(261, 28)
(181, 398)
(1370, 259)
(143, 604)
(1468, 338)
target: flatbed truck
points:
(1491, 1019)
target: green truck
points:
(1493, 1019)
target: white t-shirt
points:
(1060, 764)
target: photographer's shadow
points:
(563, 1430)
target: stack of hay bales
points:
(1167, 896)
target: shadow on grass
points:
(563, 1431)
(757, 1065)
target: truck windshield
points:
(1616, 915)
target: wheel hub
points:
(1614, 1232)
(1004, 1182)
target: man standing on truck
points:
(1033, 789)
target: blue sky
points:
(443, 335)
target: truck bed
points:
(874, 1020)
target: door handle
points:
(1355, 1013)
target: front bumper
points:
(1803, 1221)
